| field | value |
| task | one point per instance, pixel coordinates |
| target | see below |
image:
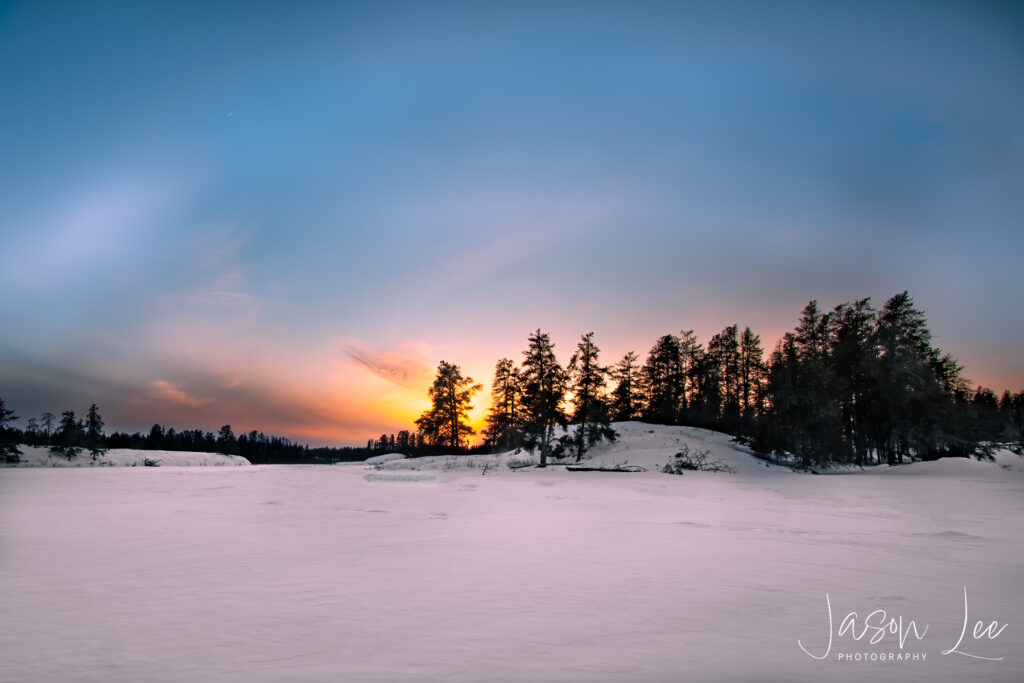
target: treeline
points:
(71, 436)
(853, 385)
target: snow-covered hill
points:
(651, 446)
(33, 456)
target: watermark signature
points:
(881, 628)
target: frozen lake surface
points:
(322, 574)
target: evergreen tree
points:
(94, 438)
(505, 417)
(587, 382)
(544, 383)
(1017, 418)
(155, 439)
(721, 394)
(8, 445)
(447, 420)
(226, 441)
(751, 375)
(911, 407)
(692, 359)
(665, 381)
(48, 420)
(69, 435)
(626, 397)
(802, 417)
(853, 355)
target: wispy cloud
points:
(169, 392)
(401, 369)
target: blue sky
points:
(213, 212)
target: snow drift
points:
(33, 456)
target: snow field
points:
(306, 573)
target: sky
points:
(282, 216)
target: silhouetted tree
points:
(505, 416)
(665, 381)
(49, 419)
(751, 375)
(94, 438)
(226, 442)
(447, 420)
(853, 356)
(69, 435)
(913, 413)
(155, 440)
(8, 445)
(626, 397)
(544, 383)
(586, 381)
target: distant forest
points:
(853, 385)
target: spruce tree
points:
(665, 381)
(913, 413)
(48, 420)
(544, 383)
(853, 356)
(226, 442)
(625, 402)
(751, 374)
(721, 403)
(505, 417)
(94, 438)
(587, 382)
(446, 423)
(68, 440)
(9, 450)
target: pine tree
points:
(505, 417)
(48, 420)
(910, 402)
(8, 447)
(155, 439)
(665, 381)
(853, 355)
(587, 382)
(1017, 417)
(447, 420)
(226, 442)
(751, 374)
(94, 432)
(625, 403)
(544, 384)
(722, 395)
(69, 435)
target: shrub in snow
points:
(519, 463)
(697, 461)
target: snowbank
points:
(385, 457)
(33, 456)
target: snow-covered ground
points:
(457, 572)
(32, 456)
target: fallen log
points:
(626, 468)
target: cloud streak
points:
(400, 369)
(166, 391)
